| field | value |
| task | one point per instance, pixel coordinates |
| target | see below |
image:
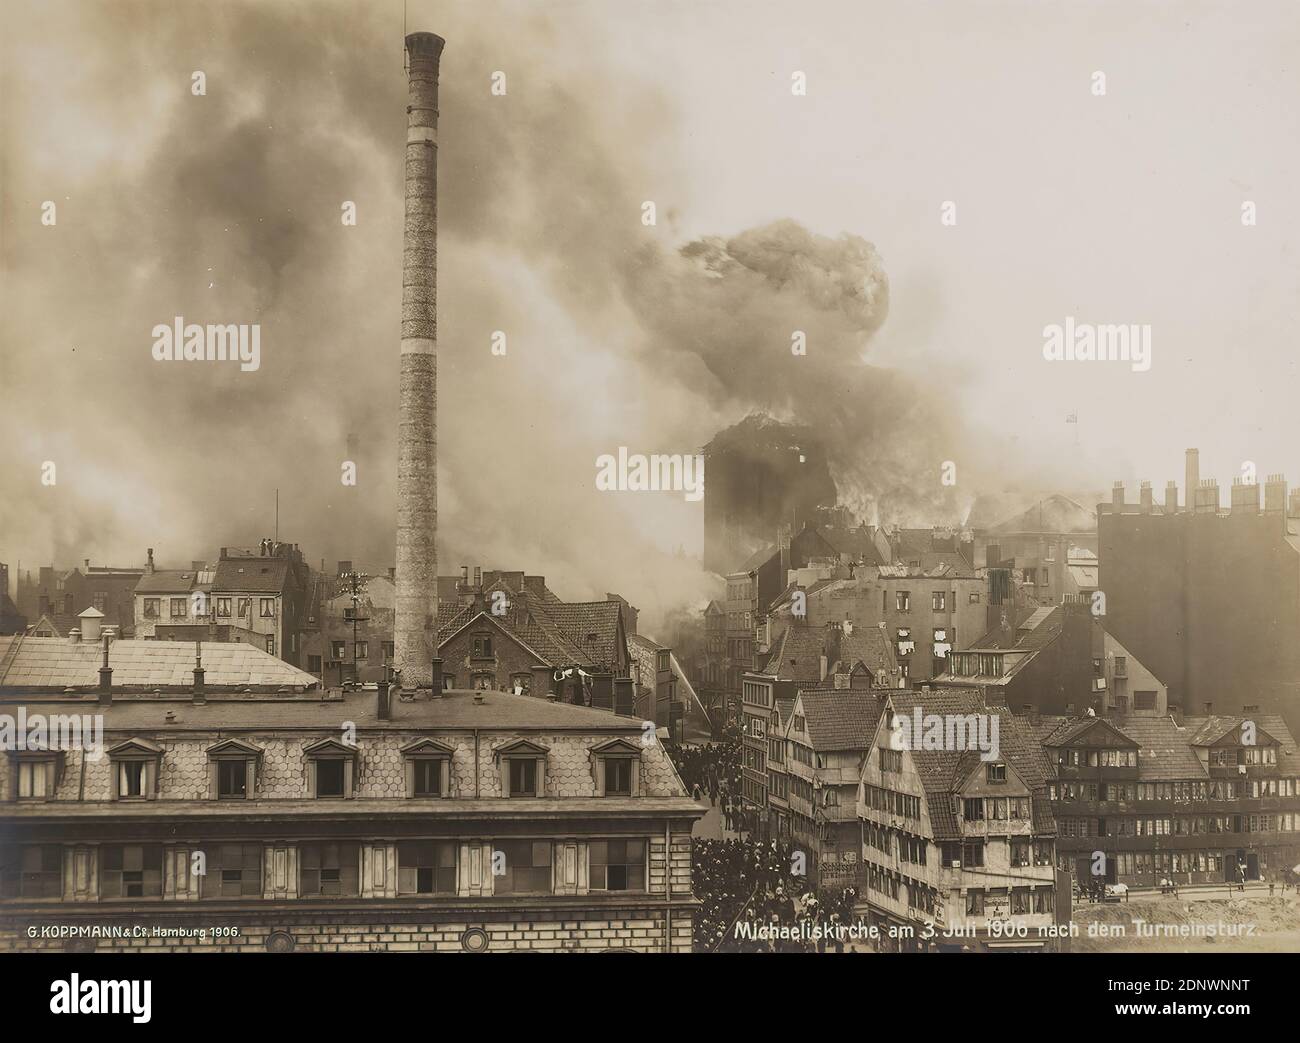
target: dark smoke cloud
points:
(226, 208)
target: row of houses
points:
(941, 807)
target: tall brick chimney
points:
(1193, 477)
(416, 624)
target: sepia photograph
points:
(681, 477)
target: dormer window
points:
(331, 768)
(36, 773)
(996, 772)
(135, 769)
(616, 766)
(428, 768)
(232, 769)
(523, 769)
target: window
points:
(1019, 901)
(100, 600)
(938, 600)
(151, 608)
(891, 760)
(524, 867)
(996, 772)
(523, 777)
(972, 854)
(617, 865)
(232, 779)
(313, 664)
(270, 643)
(973, 809)
(328, 869)
(483, 646)
(386, 649)
(233, 871)
(428, 777)
(1020, 852)
(267, 607)
(223, 606)
(974, 598)
(521, 684)
(363, 649)
(974, 902)
(131, 779)
(31, 871)
(903, 601)
(338, 649)
(130, 871)
(178, 608)
(330, 775)
(618, 776)
(244, 607)
(36, 776)
(426, 867)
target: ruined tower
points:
(416, 624)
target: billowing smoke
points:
(226, 208)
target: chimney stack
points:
(105, 678)
(1144, 498)
(435, 677)
(199, 695)
(1117, 496)
(1275, 494)
(149, 567)
(416, 623)
(1171, 497)
(1245, 497)
(382, 709)
(1193, 476)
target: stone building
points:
(462, 821)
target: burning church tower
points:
(416, 625)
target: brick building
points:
(1207, 597)
(61, 595)
(264, 592)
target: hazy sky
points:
(1123, 208)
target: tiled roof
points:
(592, 626)
(840, 718)
(797, 655)
(941, 771)
(56, 663)
(168, 581)
(871, 647)
(257, 575)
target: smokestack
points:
(199, 696)
(416, 622)
(105, 678)
(1193, 481)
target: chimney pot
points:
(199, 694)
(105, 678)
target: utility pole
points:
(357, 582)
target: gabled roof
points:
(840, 718)
(234, 746)
(1228, 731)
(327, 747)
(871, 647)
(135, 746)
(520, 746)
(759, 558)
(254, 575)
(1071, 731)
(170, 581)
(1055, 514)
(592, 625)
(796, 656)
(426, 745)
(618, 744)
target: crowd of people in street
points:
(752, 882)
